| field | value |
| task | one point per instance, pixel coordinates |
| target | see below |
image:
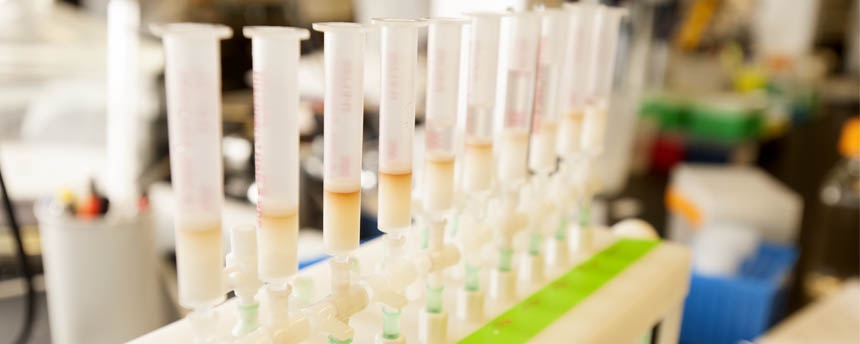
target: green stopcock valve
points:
(302, 289)
(584, 216)
(434, 299)
(473, 277)
(390, 323)
(561, 231)
(331, 340)
(455, 223)
(535, 243)
(247, 319)
(506, 258)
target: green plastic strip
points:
(526, 319)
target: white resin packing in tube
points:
(483, 64)
(542, 154)
(193, 82)
(514, 137)
(275, 52)
(399, 55)
(343, 112)
(443, 86)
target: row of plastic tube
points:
(193, 86)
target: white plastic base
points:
(642, 295)
(470, 305)
(531, 269)
(503, 285)
(433, 327)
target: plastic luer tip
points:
(253, 31)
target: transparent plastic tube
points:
(344, 106)
(275, 52)
(574, 84)
(605, 33)
(193, 82)
(525, 30)
(605, 37)
(553, 36)
(483, 65)
(443, 87)
(399, 54)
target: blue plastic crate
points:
(726, 310)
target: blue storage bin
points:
(726, 310)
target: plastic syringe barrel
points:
(605, 39)
(574, 80)
(545, 114)
(522, 63)
(578, 55)
(275, 53)
(523, 53)
(344, 115)
(481, 98)
(193, 85)
(399, 55)
(609, 23)
(483, 65)
(443, 86)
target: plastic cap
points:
(191, 29)
(275, 31)
(849, 142)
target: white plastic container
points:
(703, 195)
(784, 28)
(101, 277)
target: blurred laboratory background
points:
(733, 128)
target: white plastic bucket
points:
(100, 277)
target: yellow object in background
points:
(66, 196)
(749, 78)
(676, 202)
(849, 141)
(695, 23)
